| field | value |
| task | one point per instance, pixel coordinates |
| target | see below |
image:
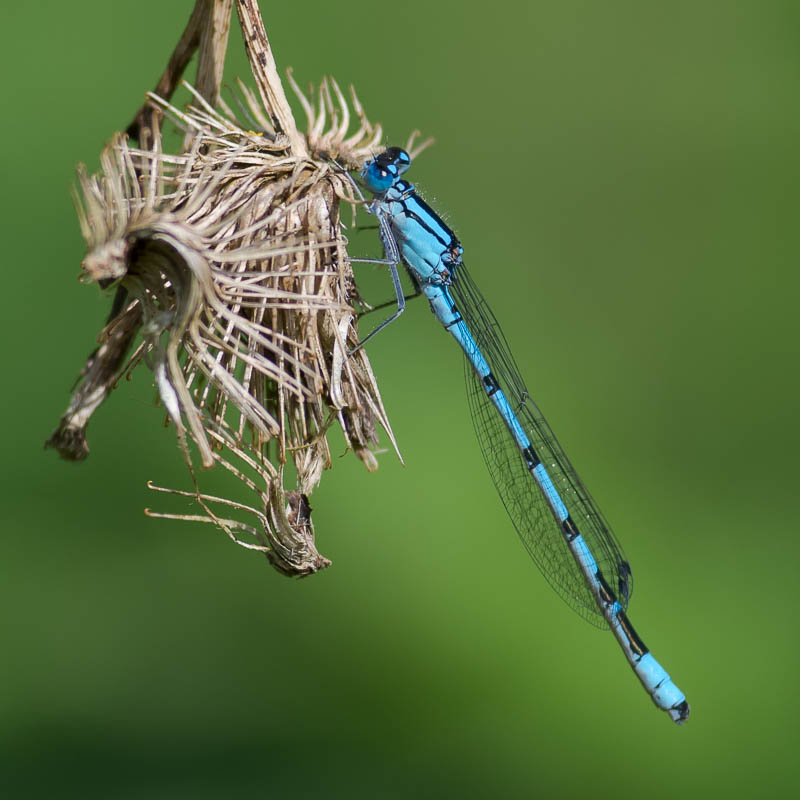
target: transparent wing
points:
(524, 501)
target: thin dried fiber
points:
(232, 274)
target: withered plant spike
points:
(212, 47)
(265, 72)
(230, 263)
(145, 121)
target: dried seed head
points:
(229, 261)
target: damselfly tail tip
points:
(680, 712)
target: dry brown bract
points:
(229, 260)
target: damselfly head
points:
(383, 170)
(398, 157)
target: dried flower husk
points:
(230, 266)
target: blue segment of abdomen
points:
(551, 493)
(443, 307)
(665, 693)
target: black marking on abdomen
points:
(531, 459)
(606, 595)
(490, 384)
(570, 529)
(637, 645)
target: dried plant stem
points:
(262, 63)
(207, 30)
(212, 48)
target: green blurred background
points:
(624, 178)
